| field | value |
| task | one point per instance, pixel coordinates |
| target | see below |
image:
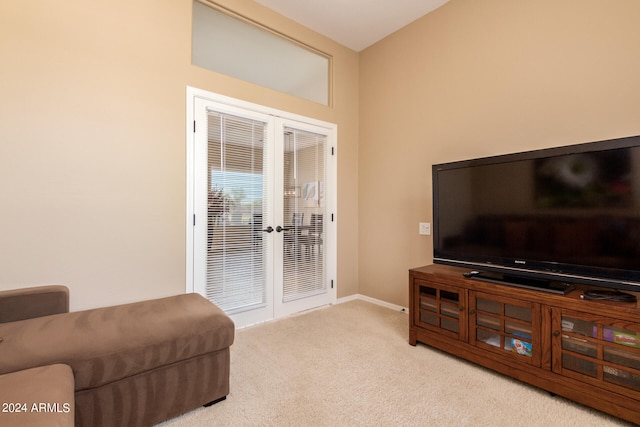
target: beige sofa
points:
(130, 365)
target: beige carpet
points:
(351, 365)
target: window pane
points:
(231, 46)
(235, 278)
(304, 214)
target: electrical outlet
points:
(425, 228)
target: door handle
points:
(269, 229)
(279, 229)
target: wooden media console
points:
(586, 351)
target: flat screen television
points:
(544, 219)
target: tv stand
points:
(524, 282)
(566, 345)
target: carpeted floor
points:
(351, 365)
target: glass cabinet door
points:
(597, 349)
(505, 326)
(441, 308)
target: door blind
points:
(304, 213)
(235, 277)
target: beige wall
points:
(92, 143)
(92, 134)
(478, 78)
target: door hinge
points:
(331, 284)
(194, 220)
(194, 126)
(331, 217)
(333, 152)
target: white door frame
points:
(330, 241)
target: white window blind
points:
(305, 214)
(235, 278)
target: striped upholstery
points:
(134, 364)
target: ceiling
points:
(356, 24)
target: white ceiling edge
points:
(356, 24)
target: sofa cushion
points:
(107, 344)
(41, 396)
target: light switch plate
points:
(425, 228)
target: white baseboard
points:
(373, 301)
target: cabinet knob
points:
(472, 312)
(556, 333)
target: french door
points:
(263, 197)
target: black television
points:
(543, 219)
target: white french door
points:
(302, 256)
(261, 188)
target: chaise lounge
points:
(133, 364)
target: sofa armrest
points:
(26, 303)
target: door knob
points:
(269, 229)
(279, 229)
